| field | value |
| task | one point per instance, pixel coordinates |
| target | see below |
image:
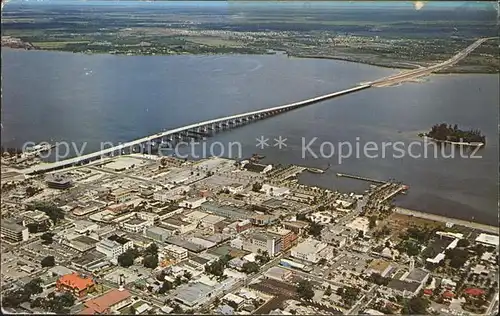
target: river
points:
(105, 98)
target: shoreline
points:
(481, 145)
(397, 65)
(440, 218)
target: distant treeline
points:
(445, 132)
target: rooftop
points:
(101, 303)
(75, 280)
(403, 285)
(488, 239)
(135, 221)
(85, 240)
(192, 293)
(119, 239)
(12, 226)
(417, 275)
(297, 224)
(309, 246)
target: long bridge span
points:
(196, 128)
(204, 127)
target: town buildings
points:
(13, 232)
(76, 284)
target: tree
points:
(177, 310)
(457, 257)
(38, 302)
(126, 259)
(48, 261)
(301, 217)
(250, 267)
(479, 250)
(378, 279)
(216, 268)
(463, 243)
(188, 275)
(263, 258)
(328, 291)
(361, 235)
(15, 298)
(372, 222)
(151, 261)
(161, 276)
(315, 229)
(33, 287)
(349, 294)
(178, 280)
(415, 306)
(53, 212)
(322, 261)
(132, 310)
(217, 301)
(30, 191)
(165, 287)
(256, 187)
(233, 305)
(151, 250)
(305, 290)
(47, 238)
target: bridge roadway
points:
(249, 116)
(415, 73)
(255, 115)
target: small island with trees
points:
(446, 133)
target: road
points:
(416, 73)
(123, 175)
(364, 301)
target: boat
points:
(257, 156)
(40, 148)
(315, 170)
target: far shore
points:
(395, 65)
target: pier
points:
(351, 176)
(399, 189)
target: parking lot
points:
(60, 252)
(15, 268)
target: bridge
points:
(197, 128)
(420, 72)
(232, 121)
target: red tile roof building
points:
(75, 283)
(107, 303)
(474, 292)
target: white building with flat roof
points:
(137, 225)
(173, 251)
(270, 190)
(489, 240)
(308, 250)
(193, 202)
(110, 248)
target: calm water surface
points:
(93, 99)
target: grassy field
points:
(57, 45)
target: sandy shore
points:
(438, 218)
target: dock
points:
(396, 191)
(351, 176)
